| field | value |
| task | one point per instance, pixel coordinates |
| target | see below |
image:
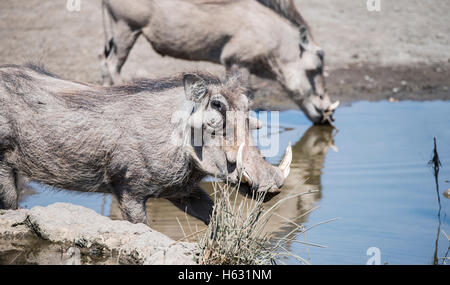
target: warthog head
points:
(219, 127)
(300, 69)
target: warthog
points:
(136, 140)
(268, 38)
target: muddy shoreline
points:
(366, 82)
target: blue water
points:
(44, 196)
(380, 186)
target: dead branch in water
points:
(435, 163)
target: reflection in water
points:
(306, 168)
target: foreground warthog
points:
(136, 141)
(268, 38)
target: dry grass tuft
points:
(235, 235)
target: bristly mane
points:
(158, 85)
(133, 87)
(93, 97)
(40, 68)
(286, 9)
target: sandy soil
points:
(401, 51)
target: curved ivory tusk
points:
(334, 105)
(240, 158)
(286, 161)
(286, 172)
(335, 148)
(254, 123)
(246, 178)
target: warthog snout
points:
(319, 109)
(257, 176)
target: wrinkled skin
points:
(268, 38)
(136, 140)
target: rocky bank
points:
(63, 233)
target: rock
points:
(447, 193)
(10, 227)
(64, 226)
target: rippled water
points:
(376, 181)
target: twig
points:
(188, 236)
(303, 242)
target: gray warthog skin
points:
(126, 139)
(268, 38)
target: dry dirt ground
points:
(402, 51)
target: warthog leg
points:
(243, 72)
(116, 52)
(131, 206)
(8, 188)
(198, 204)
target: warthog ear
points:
(194, 87)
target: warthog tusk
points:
(240, 158)
(240, 165)
(285, 164)
(254, 123)
(246, 178)
(334, 105)
(333, 147)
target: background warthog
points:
(127, 139)
(268, 38)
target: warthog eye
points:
(219, 106)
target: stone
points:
(63, 226)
